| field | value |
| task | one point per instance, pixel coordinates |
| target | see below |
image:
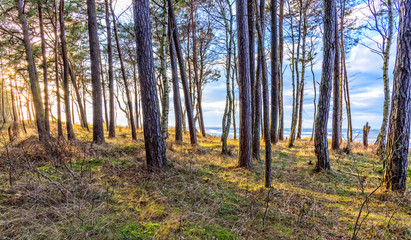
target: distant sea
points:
(306, 133)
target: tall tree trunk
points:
(382, 135)
(187, 97)
(315, 93)
(45, 80)
(103, 85)
(302, 79)
(123, 72)
(233, 78)
(176, 89)
(280, 82)
(396, 157)
(229, 41)
(98, 127)
(34, 82)
(274, 73)
(66, 84)
(251, 44)
(197, 80)
(56, 67)
(257, 104)
(245, 151)
(266, 92)
(15, 125)
(335, 142)
(163, 69)
(111, 126)
(153, 137)
(320, 136)
(136, 95)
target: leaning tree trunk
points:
(302, 81)
(153, 137)
(382, 135)
(187, 97)
(98, 127)
(176, 90)
(66, 84)
(127, 88)
(335, 142)
(45, 80)
(274, 73)
(396, 156)
(111, 124)
(320, 136)
(245, 151)
(34, 82)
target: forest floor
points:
(78, 190)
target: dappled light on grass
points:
(108, 194)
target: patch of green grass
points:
(141, 231)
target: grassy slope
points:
(82, 191)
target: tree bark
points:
(56, 66)
(153, 137)
(266, 93)
(34, 82)
(335, 141)
(365, 131)
(111, 126)
(320, 136)
(280, 82)
(251, 44)
(66, 84)
(382, 135)
(163, 69)
(274, 73)
(187, 97)
(98, 127)
(45, 80)
(245, 151)
(396, 157)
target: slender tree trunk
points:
(45, 80)
(274, 73)
(245, 151)
(163, 69)
(57, 71)
(281, 80)
(15, 131)
(335, 142)
(187, 97)
(382, 135)
(111, 126)
(396, 157)
(235, 76)
(136, 95)
(266, 94)
(98, 127)
(103, 85)
(320, 136)
(302, 79)
(123, 72)
(66, 84)
(176, 89)
(315, 95)
(197, 80)
(153, 137)
(34, 82)
(257, 104)
(251, 35)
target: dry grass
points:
(83, 191)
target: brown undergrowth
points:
(78, 190)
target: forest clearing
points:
(88, 191)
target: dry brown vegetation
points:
(78, 190)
